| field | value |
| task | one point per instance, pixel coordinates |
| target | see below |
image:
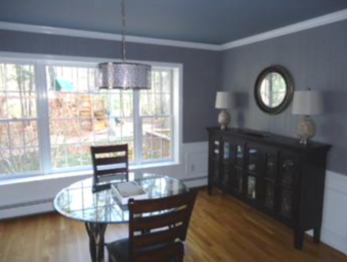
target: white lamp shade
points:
(223, 100)
(308, 102)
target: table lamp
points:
(307, 103)
(223, 101)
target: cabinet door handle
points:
(288, 164)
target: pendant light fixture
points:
(124, 75)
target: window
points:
(156, 117)
(19, 145)
(79, 117)
(51, 113)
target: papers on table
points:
(126, 190)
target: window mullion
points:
(172, 115)
(43, 117)
(137, 128)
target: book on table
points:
(124, 191)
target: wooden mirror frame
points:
(288, 96)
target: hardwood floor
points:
(221, 229)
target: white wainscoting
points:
(33, 197)
(334, 228)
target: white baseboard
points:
(197, 182)
(334, 228)
(26, 210)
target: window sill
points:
(85, 173)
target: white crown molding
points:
(104, 36)
(301, 26)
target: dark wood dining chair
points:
(157, 229)
(108, 161)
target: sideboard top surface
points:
(270, 138)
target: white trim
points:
(334, 227)
(290, 29)
(297, 27)
(337, 182)
(178, 111)
(198, 182)
(137, 129)
(70, 60)
(26, 211)
(43, 116)
(104, 36)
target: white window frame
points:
(24, 119)
(41, 61)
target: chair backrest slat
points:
(162, 220)
(112, 171)
(111, 160)
(169, 235)
(110, 148)
(151, 233)
(152, 205)
(104, 159)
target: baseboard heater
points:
(46, 205)
(193, 179)
(195, 182)
(26, 208)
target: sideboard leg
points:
(316, 234)
(298, 239)
(209, 189)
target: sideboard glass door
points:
(228, 165)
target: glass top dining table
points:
(97, 207)
(78, 201)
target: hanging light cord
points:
(123, 29)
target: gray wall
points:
(316, 58)
(201, 69)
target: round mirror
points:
(274, 89)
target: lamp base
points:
(306, 129)
(224, 119)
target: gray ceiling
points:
(203, 21)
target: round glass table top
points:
(78, 201)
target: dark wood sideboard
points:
(272, 173)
